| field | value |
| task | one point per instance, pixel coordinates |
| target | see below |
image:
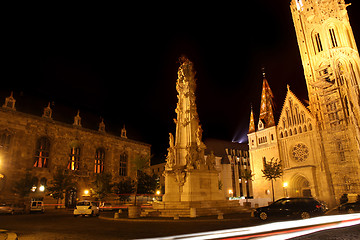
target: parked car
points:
(287, 207)
(8, 208)
(106, 207)
(86, 208)
(37, 206)
(350, 207)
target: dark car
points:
(287, 207)
(12, 208)
(350, 207)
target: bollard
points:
(116, 215)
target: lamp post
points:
(285, 185)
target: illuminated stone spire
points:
(267, 105)
(188, 137)
(189, 176)
(252, 122)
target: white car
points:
(86, 208)
(37, 206)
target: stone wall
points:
(24, 130)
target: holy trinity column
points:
(188, 176)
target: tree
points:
(141, 162)
(147, 184)
(23, 186)
(272, 171)
(124, 188)
(247, 175)
(60, 184)
(101, 186)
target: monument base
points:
(194, 209)
(184, 185)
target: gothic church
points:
(318, 145)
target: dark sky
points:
(120, 62)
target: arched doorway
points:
(300, 187)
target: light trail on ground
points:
(276, 230)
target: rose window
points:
(300, 152)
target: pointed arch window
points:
(317, 42)
(5, 138)
(334, 42)
(74, 158)
(42, 152)
(99, 160)
(123, 164)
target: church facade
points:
(318, 145)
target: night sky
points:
(120, 62)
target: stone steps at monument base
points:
(171, 210)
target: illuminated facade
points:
(40, 145)
(318, 145)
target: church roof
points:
(267, 105)
(294, 112)
(252, 122)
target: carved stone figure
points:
(210, 161)
(171, 140)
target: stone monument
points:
(188, 176)
(191, 179)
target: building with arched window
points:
(41, 145)
(318, 145)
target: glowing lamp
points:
(42, 188)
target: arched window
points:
(42, 152)
(74, 158)
(99, 160)
(5, 141)
(334, 41)
(310, 127)
(123, 164)
(317, 42)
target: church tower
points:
(331, 65)
(263, 146)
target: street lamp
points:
(42, 188)
(285, 185)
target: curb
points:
(189, 220)
(9, 235)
